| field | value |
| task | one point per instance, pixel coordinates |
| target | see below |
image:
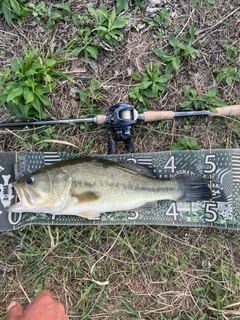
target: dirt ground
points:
(154, 273)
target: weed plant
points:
(159, 22)
(52, 13)
(13, 9)
(26, 84)
(184, 143)
(90, 98)
(151, 84)
(181, 49)
(108, 25)
(231, 72)
(201, 102)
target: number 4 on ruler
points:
(172, 211)
(170, 165)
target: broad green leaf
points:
(121, 5)
(101, 28)
(172, 41)
(163, 55)
(162, 87)
(36, 104)
(229, 79)
(63, 6)
(190, 93)
(190, 51)
(199, 105)
(16, 7)
(219, 103)
(25, 109)
(103, 11)
(111, 19)
(212, 109)
(181, 46)
(149, 68)
(145, 84)
(139, 3)
(30, 72)
(7, 12)
(8, 88)
(83, 95)
(191, 33)
(41, 90)
(145, 103)
(204, 97)
(119, 23)
(51, 63)
(45, 100)
(93, 12)
(56, 15)
(75, 21)
(49, 24)
(15, 93)
(135, 76)
(28, 95)
(212, 92)
(134, 92)
(168, 69)
(176, 62)
(30, 83)
(148, 93)
(94, 84)
(15, 64)
(93, 51)
(16, 110)
(186, 104)
(194, 3)
(48, 78)
(164, 78)
(155, 90)
(76, 51)
(37, 65)
(3, 98)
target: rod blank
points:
(146, 116)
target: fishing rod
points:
(124, 111)
(122, 116)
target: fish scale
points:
(221, 166)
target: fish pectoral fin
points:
(90, 215)
(87, 196)
(146, 207)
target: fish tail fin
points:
(194, 188)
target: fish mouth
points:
(25, 197)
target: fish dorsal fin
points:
(138, 168)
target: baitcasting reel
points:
(122, 117)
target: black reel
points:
(122, 117)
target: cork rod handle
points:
(149, 116)
(226, 111)
(157, 115)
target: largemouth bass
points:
(88, 187)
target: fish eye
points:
(29, 180)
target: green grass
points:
(92, 268)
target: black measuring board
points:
(221, 166)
